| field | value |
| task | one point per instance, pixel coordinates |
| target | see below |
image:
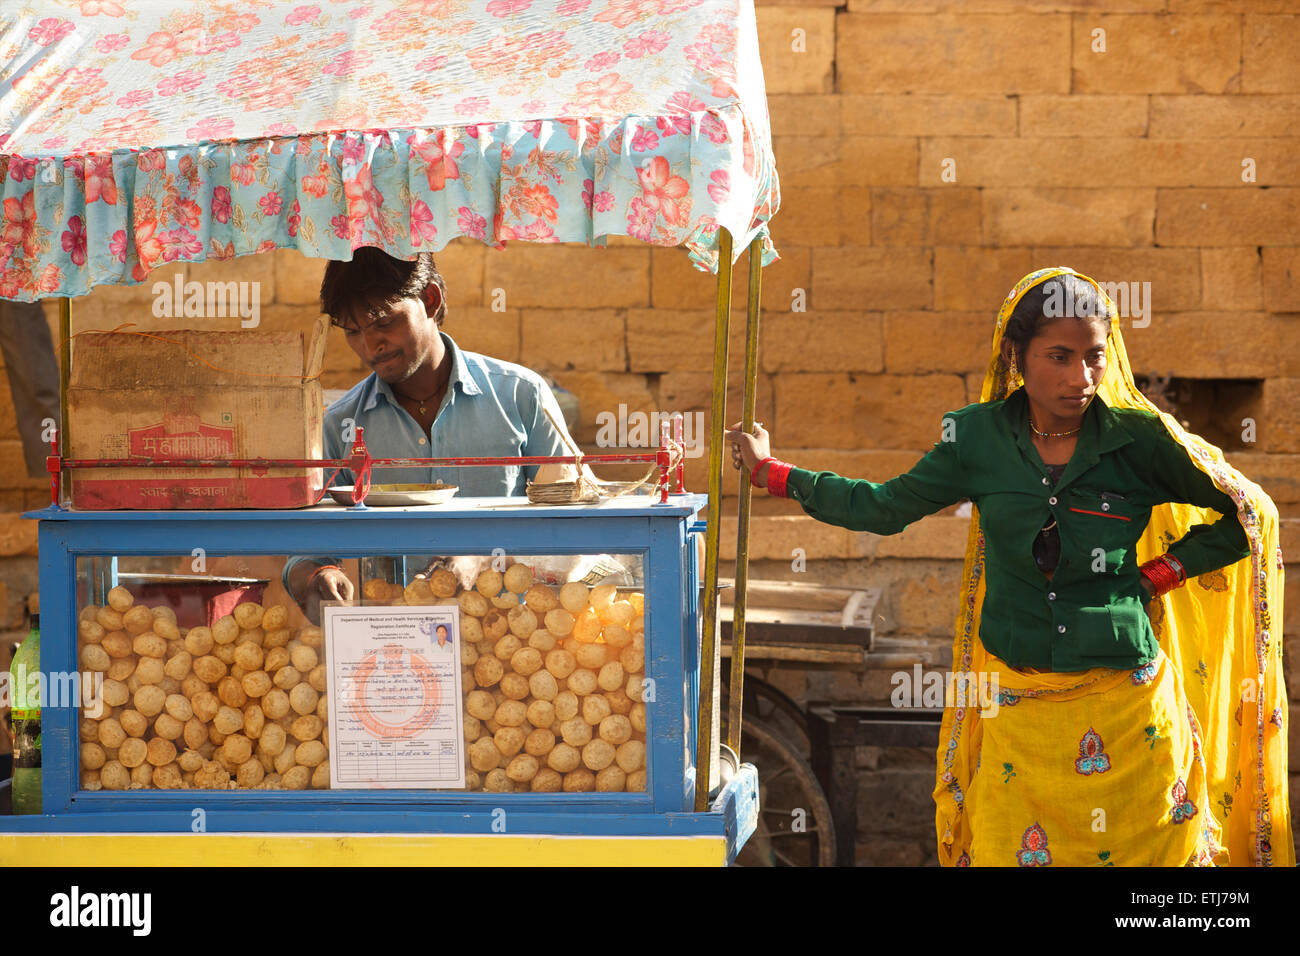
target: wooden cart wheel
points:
(775, 708)
(794, 819)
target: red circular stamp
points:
(402, 670)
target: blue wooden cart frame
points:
(662, 534)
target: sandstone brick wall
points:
(1126, 164)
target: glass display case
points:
(218, 681)
(209, 695)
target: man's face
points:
(396, 342)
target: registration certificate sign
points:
(394, 683)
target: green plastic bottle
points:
(26, 715)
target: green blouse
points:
(1092, 611)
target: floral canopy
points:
(139, 132)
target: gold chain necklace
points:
(421, 401)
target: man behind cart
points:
(424, 398)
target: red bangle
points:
(1164, 573)
(753, 475)
(323, 567)
(777, 472)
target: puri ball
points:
(114, 776)
(474, 603)
(209, 669)
(495, 624)
(228, 721)
(582, 682)
(162, 752)
(481, 704)
(511, 713)
(133, 752)
(137, 620)
(149, 700)
(630, 755)
(591, 656)
(92, 756)
(581, 780)
(559, 622)
(575, 731)
(205, 705)
(442, 583)
(307, 727)
(574, 596)
(514, 686)
(133, 722)
(488, 583)
(560, 663)
(595, 709)
(586, 626)
(275, 703)
(566, 705)
(249, 614)
(298, 778)
(539, 743)
(518, 578)
(199, 641)
(505, 648)
(311, 753)
(303, 699)
(225, 630)
(563, 758)
(120, 599)
(168, 727)
(526, 661)
(95, 658)
(546, 781)
(167, 777)
(484, 755)
(611, 780)
(487, 671)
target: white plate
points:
(391, 496)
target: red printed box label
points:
(184, 437)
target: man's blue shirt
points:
(491, 409)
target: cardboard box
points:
(191, 394)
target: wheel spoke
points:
(788, 813)
(781, 856)
(776, 774)
(777, 833)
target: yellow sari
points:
(1184, 760)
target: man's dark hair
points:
(373, 281)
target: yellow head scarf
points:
(1222, 631)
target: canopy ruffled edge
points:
(94, 218)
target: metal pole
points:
(709, 649)
(65, 372)
(737, 692)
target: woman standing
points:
(1140, 718)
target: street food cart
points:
(191, 133)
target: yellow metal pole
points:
(709, 649)
(737, 691)
(65, 370)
